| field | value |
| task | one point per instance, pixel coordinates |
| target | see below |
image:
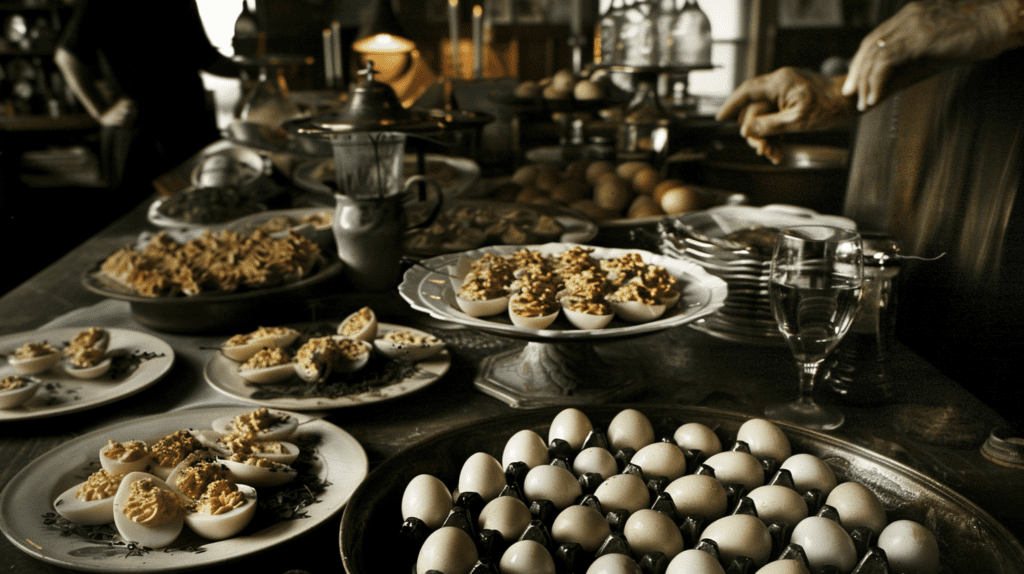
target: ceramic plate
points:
(970, 539)
(428, 288)
(221, 373)
(63, 394)
(340, 461)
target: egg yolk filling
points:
(357, 322)
(220, 497)
(405, 338)
(265, 358)
(100, 484)
(260, 333)
(151, 505)
(173, 448)
(126, 452)
(33, 350)
(11, 382)
(194, 479)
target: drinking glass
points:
(814, 287)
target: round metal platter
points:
(970, 540)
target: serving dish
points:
(221, 373)
(970, 540)
(218, 312)
(455, 175)
(63, 394)
(340, 461)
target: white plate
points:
(432, 292)
(63, 394)
(30, 494)
(221, 373)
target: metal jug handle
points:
(421, 195)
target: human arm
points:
(83, 83)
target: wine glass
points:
(814, 287)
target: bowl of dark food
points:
(215, 280)
(203, 206)
(526, 492)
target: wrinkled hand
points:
(932, 35)
(784, 101)
(119, 114)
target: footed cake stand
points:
(560, 365)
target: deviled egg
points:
(147, 511)
(257, 471)
(320, 356)
(34, 358)
(408, 346)
(262, 423)
(223, 510)
(225, 445)
(361, 325)
(635, 303)
(90, 502)
(169, 451)
(16, 390)
(241, 347)
(125, 457)
(86, 354)
(268, 366)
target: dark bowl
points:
(969, 539)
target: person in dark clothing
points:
(137, 74)
(937, 161)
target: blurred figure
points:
(137, 73)
(938, 156)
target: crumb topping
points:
(407, 339)
(260, 333)
(33, 350)
(357, 322)
(151, 505)
(219, 497)
(11, 382)
(173, 448)
(265, 358)
(197, 475)
(126, 451)
(100, 484)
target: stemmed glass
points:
(814, 287)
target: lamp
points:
(381, 33)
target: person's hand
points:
(931, 35)
(119, 114)
(786, 100)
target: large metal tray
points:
(970, 540)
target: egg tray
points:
(969, 539)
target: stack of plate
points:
(734, 243)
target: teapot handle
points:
(422, 196)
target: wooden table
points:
(932, 424)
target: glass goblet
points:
(814, 287)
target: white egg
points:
(268, 375)
(273, 474)
(525, 446)
(910, 547)
(282, 427)
(91, 372)
(587, 321)
(484, 308)
(857, 506)
(227, 524)
(733, 466)
(825, 542)
(133, 456)
(629, 429)
(427, 498)
(595, 459)
(661, 459)
(698, 495)
(412, 349)
(258, 340)
(740, 535)
(507, 515)
(87, 512)
(637, 312)
(614, 564)
(361, 325)
(35, 365)
(810, 472)
(448, 549)
(554, 483)
(211, 440)
(776, 503)
(572, 426)
(156, 535)
(765, 439)
(538, 322)
(623, 492)
(696, 436)
(347, 364)
(10, 398)
(482, 474)
(694, 561)
(581, 524)
(784, 567)
(649, 531)
(526, 557)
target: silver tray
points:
(970, 540)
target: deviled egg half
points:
(321, 356)
(147, 511)
(262, 423)
(34, 358)
(268, 366)
(90, 502)
(216, 506)
(241, 347)
(361, 325)
(168, 451)
(408, 346)
(16, 390)
(85, 357)
(125, 457)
